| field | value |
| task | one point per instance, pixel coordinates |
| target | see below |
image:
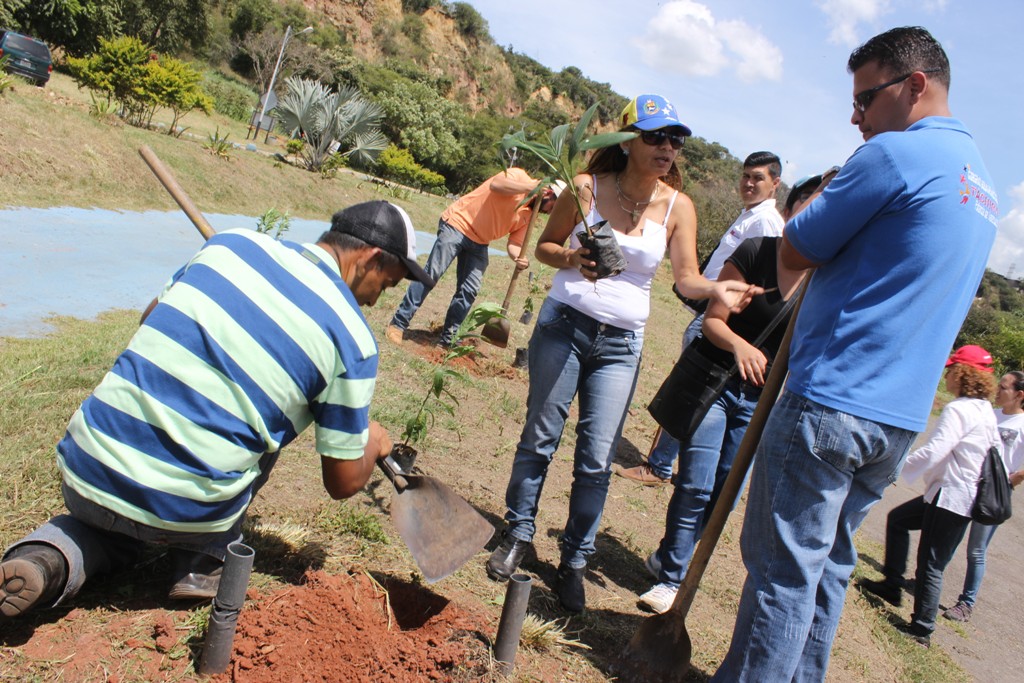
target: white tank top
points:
(625, 299)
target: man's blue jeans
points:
(817, 472)
(469, 274)
(977, 550)
(704, 466)
(664, 453)
(572, 353)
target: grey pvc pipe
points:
(510, 627)
(220, 633)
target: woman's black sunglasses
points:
(658, 137)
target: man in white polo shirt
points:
(759, 218)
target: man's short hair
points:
(903, 50)
(768, 159)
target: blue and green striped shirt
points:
(251, 342)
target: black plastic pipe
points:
(220, 633)
(510, 627)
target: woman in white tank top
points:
(589, 332)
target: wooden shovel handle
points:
(526, 241)
(744, 457)
(172, 186)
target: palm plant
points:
(559, 153)
(326, 119)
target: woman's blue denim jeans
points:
(469, 274)
(817, 472)
(977, 550)
(572, 353)
(704, 465)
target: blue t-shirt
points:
(902, 234)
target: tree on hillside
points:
(424, 122)
(7, 10)
(75, 25)
(167, 25)
(322, 118)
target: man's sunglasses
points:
(655, 138)
(863, 99)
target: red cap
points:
(971, 355)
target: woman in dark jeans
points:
(950, 465)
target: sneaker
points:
(915, 633)
(505, 559)
(32, 575)
(660, 598)
(569, 586)
(394, 334)
(653, 565)
(961, 612)
(885, 589)
(643, 474)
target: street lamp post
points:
(273, 77)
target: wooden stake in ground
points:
(660, 650)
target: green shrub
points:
(397, 164)
(230, 97)
(294, 146)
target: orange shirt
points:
(484, 215)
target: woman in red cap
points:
(949, 463)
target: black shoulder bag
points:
(992, 504)
(695, 383)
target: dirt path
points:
(991, 646)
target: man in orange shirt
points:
(488, 213)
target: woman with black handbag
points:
(950, 465)
(737, 348)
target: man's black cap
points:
(385, 225)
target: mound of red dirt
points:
(346, 628)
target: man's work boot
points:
(505, 559)
(886, 589)
(569, 586)
(196, 576)
(33, 575)
(394, 334)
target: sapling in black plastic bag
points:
(559, 153)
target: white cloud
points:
(683, 37)
(1008, 252)
(759, 58)
(845, 16)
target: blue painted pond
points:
(80, 262)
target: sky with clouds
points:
(772, 75)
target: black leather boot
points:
(886, 589)
(33, 575)
(505, 559)
(569, 586)
(195, 576)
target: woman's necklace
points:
(638, 207)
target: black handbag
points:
(992, 504)
(696, 381)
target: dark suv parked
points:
(26, 56)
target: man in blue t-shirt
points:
(899, 240)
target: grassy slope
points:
(55, 154)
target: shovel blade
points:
(658, 653)
(441, 529)
(496, 332)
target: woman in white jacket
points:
(949, 463)
(1010, 418)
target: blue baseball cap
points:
(651, 112)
